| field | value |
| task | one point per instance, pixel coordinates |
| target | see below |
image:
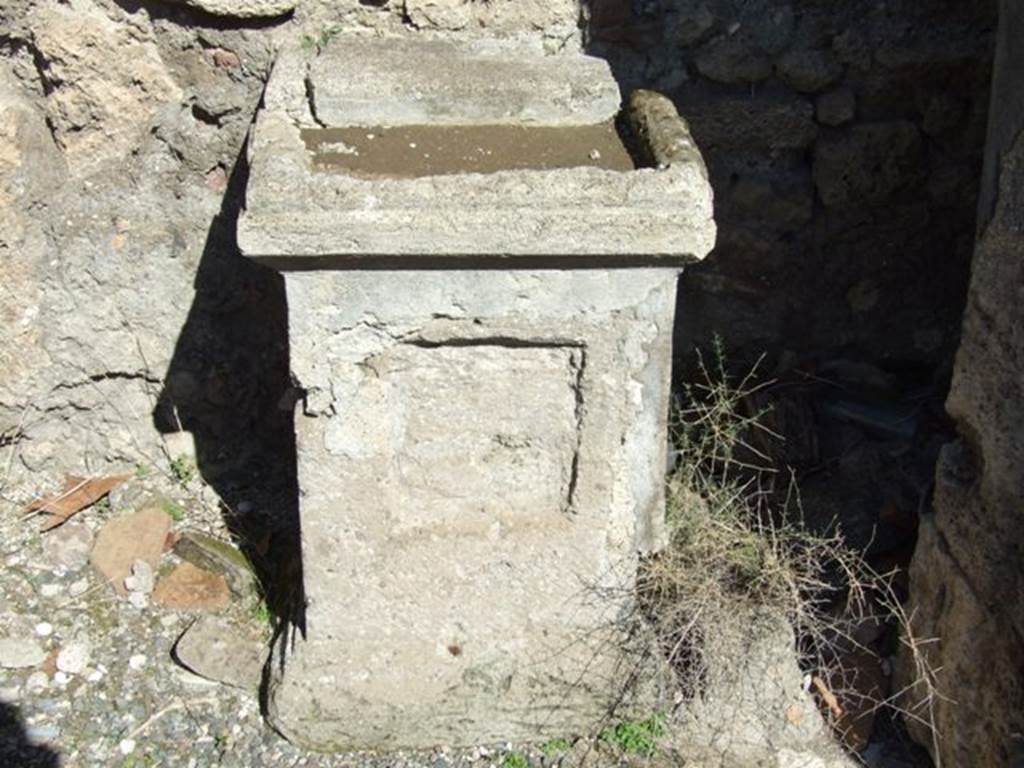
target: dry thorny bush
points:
(738, 546)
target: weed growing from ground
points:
(639, 737)
(261, 612)
(102, 506)
(555, 747)
(319, 42)
(173, 510)
(183, 469)
(515, 760)
(738, 548)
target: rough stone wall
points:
(842, 140)
(966, 577)
(844, 143)
(118, 136)
(127, 310)
(557, 21)
(554, 21)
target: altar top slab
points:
(421, 153)
(424, 81)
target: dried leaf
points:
(78, 494)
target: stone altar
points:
(481, 277)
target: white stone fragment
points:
(141, 578)
(37, 681)
(10, 694)
(74, 657)
(79, 587)
(17, 653)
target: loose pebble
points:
(74, 657)
(10, 694)
(137, 662)
(44, 629)
(40, 734)
(79, 587)
(37, 681)
(126, 746)
(141, 578)
(16, 653)
(67, 548)
(50, 590)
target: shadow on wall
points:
(843, 142)
(15, 746)
(228, 384)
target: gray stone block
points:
(409, 81)
(480, 459)
(297, 213)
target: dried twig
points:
(739, 546)
(176, 704)
(827, 696)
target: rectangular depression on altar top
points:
(402, 150)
